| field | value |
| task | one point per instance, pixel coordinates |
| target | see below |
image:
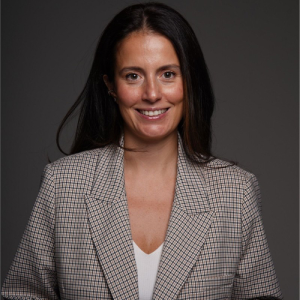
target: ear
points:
(109, 85)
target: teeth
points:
(153, 112)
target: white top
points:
(147, 267)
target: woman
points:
(142, 210)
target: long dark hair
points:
(100, 122)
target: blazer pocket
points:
(208, 288)
(213, 287)
(215, 282)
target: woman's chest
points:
(149, 207)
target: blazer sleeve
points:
(32, 274)
(255, 276)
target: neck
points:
(154, 156)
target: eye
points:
(132, 76)
(168, 75)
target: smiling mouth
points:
(152, 113)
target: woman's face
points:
(148, 86)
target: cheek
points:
(127, 96)
(175, 94)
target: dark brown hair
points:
(100, 122)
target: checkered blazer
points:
(78, 244)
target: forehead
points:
(145, 49)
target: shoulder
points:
(82, 160)
(223, 171)
(227, 179)
(75, 162)
(80, 167)
(76, 174)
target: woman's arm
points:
(256, 277)
(32, 274)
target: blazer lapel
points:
(110, 228)
(189, 224)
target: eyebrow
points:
(138, 69)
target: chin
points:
(156, 135)
(150, 133)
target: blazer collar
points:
(110, 228)
(190, 192)
(108, 183)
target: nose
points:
(152, 90)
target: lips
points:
(152, 113)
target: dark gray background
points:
(251, 48)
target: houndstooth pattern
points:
(78, 244)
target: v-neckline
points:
(148, 254)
